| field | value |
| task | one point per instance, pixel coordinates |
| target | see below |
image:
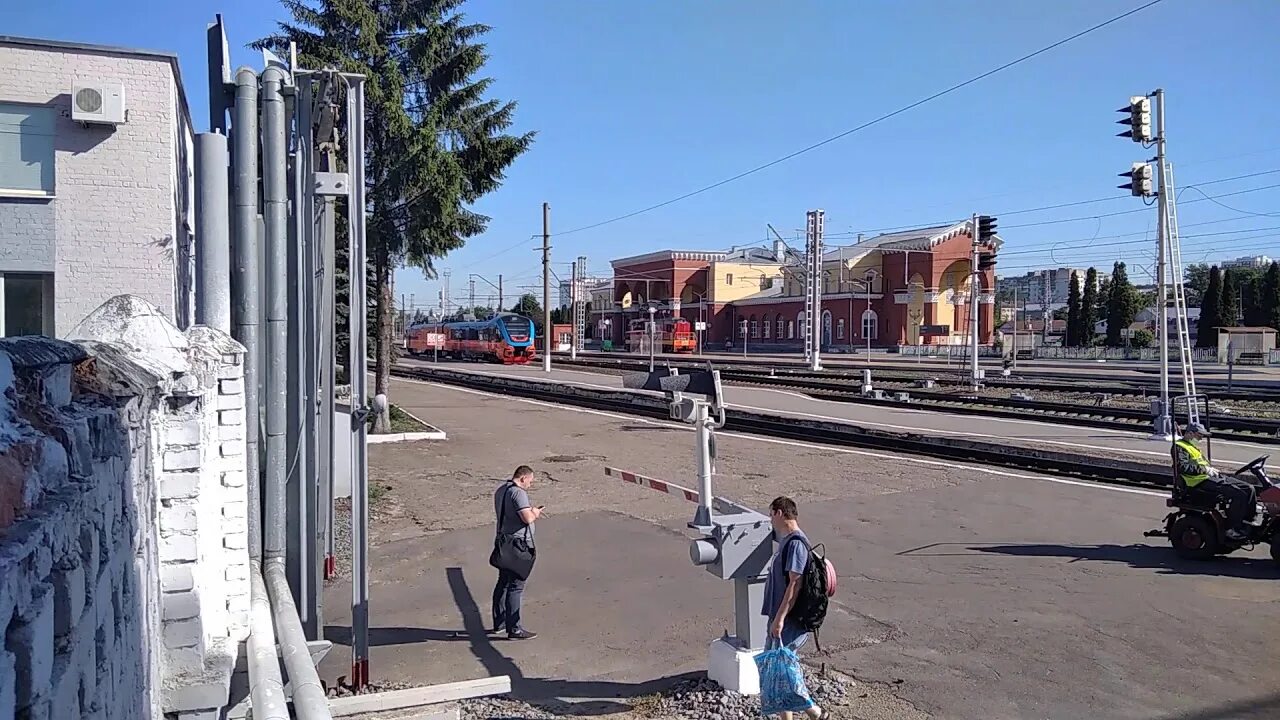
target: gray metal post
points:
(814, 318)
(573, 310)
(213, 235)
(359, 383)
(702, 430)
(246, 287)
(975, 282)
(275, 216)
(546, 286)
(266, 687)
(1163, 422)
(296, 467)
(653, 328)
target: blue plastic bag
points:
(781, 681)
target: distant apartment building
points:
(1032, 286)
(1260, 262)
(566, 289)
(95, 183)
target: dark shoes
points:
(522, 635)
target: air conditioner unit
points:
(98, 103)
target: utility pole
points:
(499, 292)
(579, 304)
(1044, 307)
(471, 296)
(573, 309)
(546, 286)
(1164, 421)
(1015, 327)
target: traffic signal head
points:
(986, 261)
(1138, 120)
(986, 228)
(1139, 184)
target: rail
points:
(1088, 467)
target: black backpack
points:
(810, 607)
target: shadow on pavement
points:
(1161, 559)
(1259, 708)
(562, 697)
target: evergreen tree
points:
(1271, 297)
(1122, 305)
(1075, 330)
(1089, 308)
(1210, 311)
(1229, 312)
(435, 145)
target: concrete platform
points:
(964, 593)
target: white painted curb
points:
(434, 433)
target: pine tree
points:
(1121, 305)
(435, 145)
(1271, 297)
(1089, 308)
(1229, 311)
(1210, 311)
(1075, 330)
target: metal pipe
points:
(275, 216)
(309, 701)
(246, 286)
(213, 236)
(266, 688)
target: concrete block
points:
(177, 577)
(233, 478)
(69, 596)
(178, 518)
(30, 639)
(231, 386)
(178, 548)
(208, 714)
(179, 605)
(179, 485)
(733, 668)
(182, 432)
(230, 402)
(183, 660)
(182, 459)
(212, 692)
(231, 449)
(182, 633)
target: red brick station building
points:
(904, 288)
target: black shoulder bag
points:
(512, 553)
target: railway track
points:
(827, 387)
(1086, 467)
(1044, 380)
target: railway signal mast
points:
(984, 233)
(1168, 255)
(813, 290)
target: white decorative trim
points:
(903, 297)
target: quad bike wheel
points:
(1195, 538)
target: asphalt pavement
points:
(965, 592)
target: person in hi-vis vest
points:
(1197, 472)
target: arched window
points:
(840, 329)
(764, 327)
(826, 327)
(782, 326)
(870, 325)
(755, 327)
(791, 329)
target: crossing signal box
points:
(1140, 179)
(1138, 120)
(986, 261)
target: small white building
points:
(95, 183)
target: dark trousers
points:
(507, 594)
(1240, 497)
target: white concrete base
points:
(733, 668)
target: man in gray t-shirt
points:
(513, 515)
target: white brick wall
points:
(121, 194)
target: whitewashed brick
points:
(180, 605)
(231, 432)
(177, 577)
(235, 510)
(238, 604)
(182, 633)
(233, 478)
(231, 449)
(236, 573)
(179, 485)
(235, 541)
(178, 518)
(183, 432)
(182, 459)
(231, 387)
(68, 598)
(178, 548)
(230, 402)
(231, 417)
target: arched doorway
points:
(826, 328)
(915, 308)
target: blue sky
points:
(639, 102)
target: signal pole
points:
(546, 287)
(813, 302)
(975, 282)
(573, 309)
(499, 292)
(1164, 422)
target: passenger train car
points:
(672, 335)
(506, 338)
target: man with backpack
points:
(794, 596)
